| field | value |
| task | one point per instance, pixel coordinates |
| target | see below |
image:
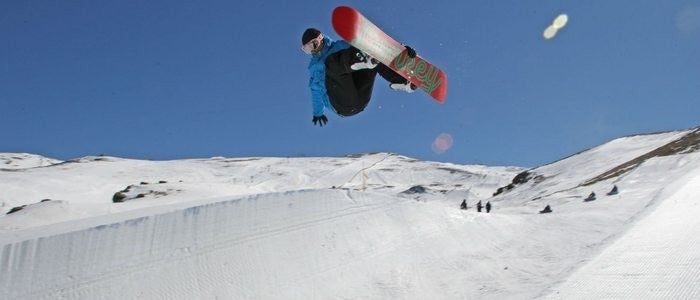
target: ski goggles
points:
(313, 46)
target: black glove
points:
(410, 52)
(321, 120)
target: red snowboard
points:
(362, 34)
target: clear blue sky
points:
(178, 79)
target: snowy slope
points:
(658, 258)
(86, 186)
(377, 226)
(564, 179)
(11, 161)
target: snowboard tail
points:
(364, 35)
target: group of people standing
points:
(479, 206)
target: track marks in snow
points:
(657, 258)
(191, 239)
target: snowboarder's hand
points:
(410, 52)
(321, 120)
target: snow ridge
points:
(18, 161)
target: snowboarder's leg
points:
(349, 91)
(364, 62)
(389, 75)
(396, 81)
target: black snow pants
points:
(349, 91)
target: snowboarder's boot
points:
(405, 87)
(364, 61)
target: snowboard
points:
(359, 32)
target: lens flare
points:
(558, 23)
(688, 20)
(442, 143)
(550, 32)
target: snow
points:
(345, 227)
(656, 259)
(13, 161)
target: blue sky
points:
(179, 79)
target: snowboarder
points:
(614, 191)
(546, 210)
(488, 207)
(342, 77)
(478, 206)
(591, 197)
(464, 204)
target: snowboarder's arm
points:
(317, 85)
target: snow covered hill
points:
(11, 161)
(87, 186)
(375, 226)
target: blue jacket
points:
(317, 71)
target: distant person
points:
(614, 191)
(342, 76)
(464, 204)
(478, 206)
(591, 197)
(488, 207)
(546, 210)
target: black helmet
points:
(309, 34)
(312, 41)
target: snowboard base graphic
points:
(364, 35)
